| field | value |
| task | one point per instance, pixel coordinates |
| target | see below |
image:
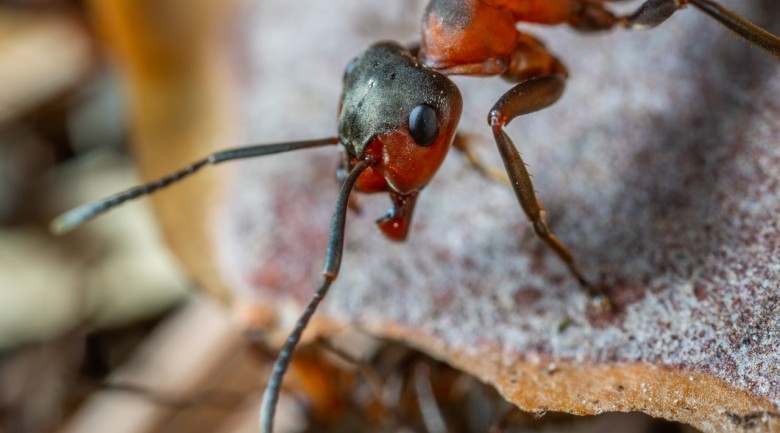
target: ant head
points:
(399, 114)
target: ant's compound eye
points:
(423, 124)
(350, 67)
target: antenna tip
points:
(69, 220)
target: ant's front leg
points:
(541, 77)
(463, 144)
(527, 97)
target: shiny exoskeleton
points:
(406, 135)
(399, 113)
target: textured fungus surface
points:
(660, 167)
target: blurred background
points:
(103, 330)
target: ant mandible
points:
(399, 112)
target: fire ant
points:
(399, 112)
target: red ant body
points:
(399, 113)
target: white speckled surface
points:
(660, 167)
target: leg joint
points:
(495, 119)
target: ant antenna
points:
(740, 26)
(79, 215)
(329, 273)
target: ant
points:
(399, 112)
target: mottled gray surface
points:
(660, 167)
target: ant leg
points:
(654, 12)
(592, 16)
(651, 14)
(527, 97)
(329, 274)
(530, 58)
(462, 144)
(740, 26)
(541, 78)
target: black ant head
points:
(398, 114)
